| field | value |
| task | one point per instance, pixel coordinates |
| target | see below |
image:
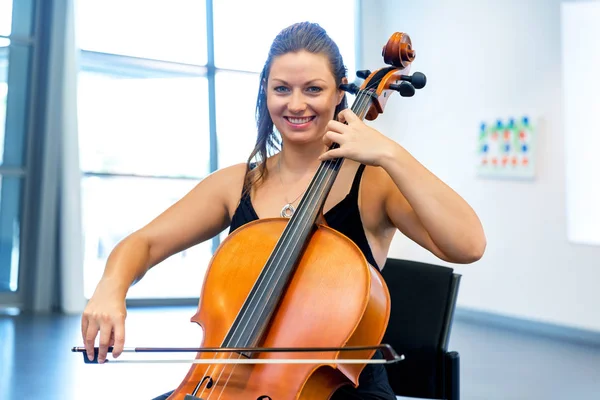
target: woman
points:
(380, 189)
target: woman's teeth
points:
(299, 120)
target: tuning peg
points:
(404, 88)
(350, 87)
(417, 79)
(363, 73)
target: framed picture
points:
(506, 148)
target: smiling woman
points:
(377, 190)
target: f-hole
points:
(208, 384)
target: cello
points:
(267, 285)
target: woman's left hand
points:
(357, 141)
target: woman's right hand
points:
(105, 314)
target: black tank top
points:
(344, 217)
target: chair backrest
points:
(423, 301)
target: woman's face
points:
(302, 95)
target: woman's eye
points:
(280, 89)
(314, 89)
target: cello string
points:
(311, 195)
(362, 101)
(283, 247)
(287, 243)
(253, 311)
(310, 198)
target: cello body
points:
(335, 298)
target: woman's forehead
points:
(301, 65)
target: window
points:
(142, 148)
(5, 17)
(156, 95)
(168, 30)
(581, 101)
(4, 43)
(15, 59)
(242, 43)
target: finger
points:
(336, 126)
(347, 116)
(90, 338)
(105, 332)
(335, 137)
(328, 155)
(85, 322)
(119, 338)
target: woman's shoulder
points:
(231, 177)
(227, 183)
(232, 171)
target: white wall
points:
(486, 59)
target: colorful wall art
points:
(506, 149)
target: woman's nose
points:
(297, 102)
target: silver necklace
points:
(288, 209)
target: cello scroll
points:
(379, 85)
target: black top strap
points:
(356, 182)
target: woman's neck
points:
(298, 160)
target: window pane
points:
(233, 50)
(581, 103)
(10, 200)
(236, 136)
(5, 17)
(115, 207)
(3, 90)
(143, 125)
(14, 68)
(170, 30)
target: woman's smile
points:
(299, 122)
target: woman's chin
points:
(301, 138)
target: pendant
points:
(287, 211)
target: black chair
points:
(423, 301)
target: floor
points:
(36, 361)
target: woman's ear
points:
(341, 92)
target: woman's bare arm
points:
(200, 215)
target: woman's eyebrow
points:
(316, 80)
